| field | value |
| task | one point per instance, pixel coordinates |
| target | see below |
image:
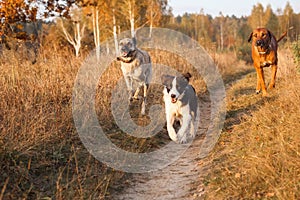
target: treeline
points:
(220, 33)
(231, 32)
(87, 23)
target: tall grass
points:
(258, 154)
(41, 155)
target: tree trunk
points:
(96, 32)
(115, 33)
(76, 40)
(131, 19)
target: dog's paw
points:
(130, 99)
(271, 86)
(174, 138)
(192, 136)
(183, 140)
(136, 98)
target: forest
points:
(84, 23)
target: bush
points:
(296, 52)
(244, 53)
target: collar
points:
(131, 57)
(127, 60)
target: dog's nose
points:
(173, 96)
(259, 43)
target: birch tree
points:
(115, 33)
(96, 30)
(131, 13)
(76, 38)
(255, 20)
(77, 28)
(222, 20)
(113, 15)
(153, 14)
(129, 10)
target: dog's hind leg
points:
(136, 94)
(192, 129)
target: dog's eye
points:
(168, 89)
(263, 35)
(121, 44)
(255, 35)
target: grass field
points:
(257, 156)
(42, 157)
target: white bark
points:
(115, 33)
(151, 19)
(75, 41)
(96, 30)
(131, 18)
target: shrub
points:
(244, 53)
(296, 52)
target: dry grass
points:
(257, 156)
(41, 155)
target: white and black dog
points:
(136, 66)
(180, 103)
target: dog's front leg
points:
(258, 85)
(136, 93)
(260, 80)
(170, 128)
(192, 130)
(128, 81)
(186, 120)
(273, 77)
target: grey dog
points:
(136, 66)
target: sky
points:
(227, 7)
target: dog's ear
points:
(250, 37)
(187, 76)
(269, 34)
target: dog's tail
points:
(284, 34)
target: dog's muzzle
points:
(173, 98)
(260, 43)
(124, 52)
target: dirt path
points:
(178, 180)
(181, 179)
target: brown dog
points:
(264, 54)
